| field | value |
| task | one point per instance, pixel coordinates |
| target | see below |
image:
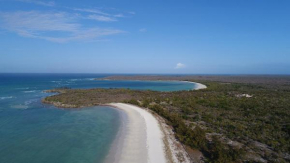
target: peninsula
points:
(217, 124)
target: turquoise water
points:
(31, 132)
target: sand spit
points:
(198, 85)
(144, 137)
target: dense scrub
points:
(254, 116)
(196, 138)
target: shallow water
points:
(54, 135)
(31, 132)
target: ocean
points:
(32, 132)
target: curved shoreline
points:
(144, 137)
(198, 85)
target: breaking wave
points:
(7, 97)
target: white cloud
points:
(143, 30)
(179, 66)
(94, 11)
(101, 18)
(99, 15)
(43, 3)
(42, 25)
(119, 16)
(88, 34)
(39, 21)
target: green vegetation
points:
(223, 108)
(196, 138)
(256, 117)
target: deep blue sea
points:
(31, 132)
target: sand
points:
(198, 85)
(144, 137)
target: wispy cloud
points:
(94, 11)
(119, 16)
(44, 25)
(101, 18)
(43, 3)
(39, 21)
(179, 66)
(99, 15)
(87, 34)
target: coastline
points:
(198, 86)
(144, 137)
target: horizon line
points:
(206, 74)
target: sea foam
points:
(29, 91)
(7, 97)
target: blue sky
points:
(113, 36)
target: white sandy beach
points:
(198, 85)
(142, 139)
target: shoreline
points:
(198, 85)
(144, 137)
